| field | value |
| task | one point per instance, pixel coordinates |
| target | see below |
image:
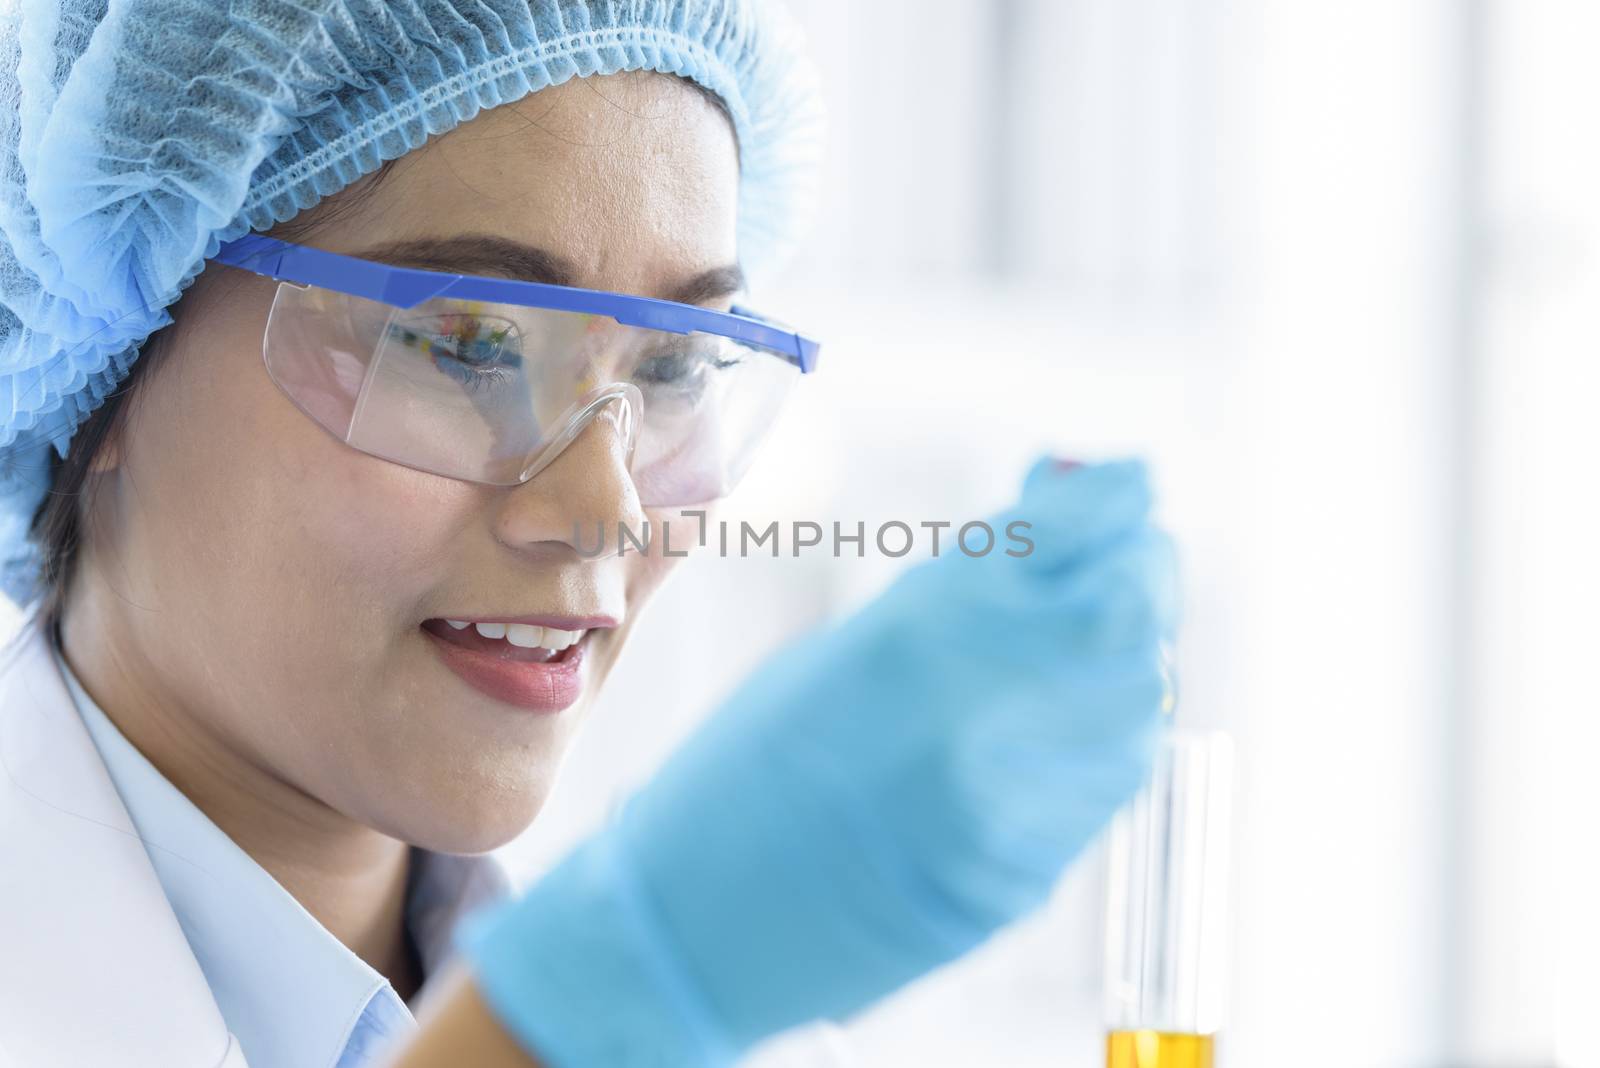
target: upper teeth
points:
(523, 635)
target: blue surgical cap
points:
(138, 135)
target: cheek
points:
(644, 574)
(376, 526)
(670, 530)
(256, 520)
(345, 523)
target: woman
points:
(311, 615)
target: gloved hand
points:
(875, 801)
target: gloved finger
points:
(1120, 694)
(1032, 781)
(1122, 593)
(1070, 509)
(1126, 595)
(1033, 799)
(1064, 514)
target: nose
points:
(583, 493)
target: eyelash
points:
(476, 377)
(713, 364)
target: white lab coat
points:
(94, 970)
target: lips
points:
(530, 677)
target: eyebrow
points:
(494, 255)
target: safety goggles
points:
(489, 379)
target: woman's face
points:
(269, 585)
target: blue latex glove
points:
(875, 801)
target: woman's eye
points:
(683, 370)
(475, 352)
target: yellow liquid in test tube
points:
(1157, 1049)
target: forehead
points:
(632, 178)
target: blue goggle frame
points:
(406, 287)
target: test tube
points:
(1166, 908)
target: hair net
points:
(138, 135)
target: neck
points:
(348, 876)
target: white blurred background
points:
(1335, 269)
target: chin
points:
(469, 814)
(471, 831)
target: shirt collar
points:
(293, 994)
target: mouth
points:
(536, 666)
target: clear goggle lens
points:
(493, 392)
